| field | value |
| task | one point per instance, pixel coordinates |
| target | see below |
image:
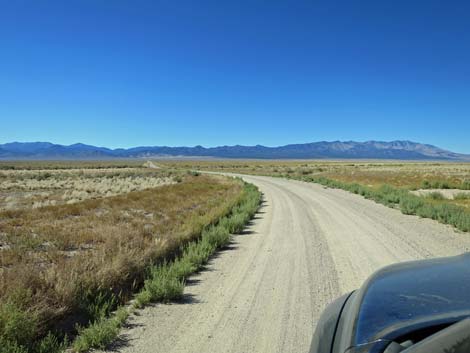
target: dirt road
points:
(307, 246)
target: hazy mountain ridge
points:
(406, 150)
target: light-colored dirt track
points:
(265, 293)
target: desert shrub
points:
(435, 195)
(236, 223)
(7, 346)
(97, 304)
(410, 204)
(389, 195)
(182, 268)
(50, 344)
(425, 184)
(161, 286)
(462, 196)
(17, 324)
(101, 333)
(442, 185)
(198, 253)
(359, 190)
(217, 236)
(447, 213)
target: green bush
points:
(236, 222)
(219, 235)
(17, 326)
(444, 184)
(435, 195)
(466, 184)
(410, 204)
(387, 195)
(7, 346)
(50, 344)
(425, 184)
(197, 254)
(101, 333)
(98, 303)
(462, 196)
(162, 285)
(182, 268)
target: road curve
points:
(265, 293)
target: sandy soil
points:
(447, 193)
(265, 293)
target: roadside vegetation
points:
(71, 268)
(427, 189)
(407, 203)
(165, 282)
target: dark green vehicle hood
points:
(410, 296)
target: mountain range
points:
(400, 150)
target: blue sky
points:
(127, 73)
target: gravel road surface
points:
(265, 292)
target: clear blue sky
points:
(125, 73)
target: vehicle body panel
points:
(327, 325)
(397, 300)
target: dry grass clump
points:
(69, 164)
(37, 188)
(60, 265)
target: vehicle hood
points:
(410, 296)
